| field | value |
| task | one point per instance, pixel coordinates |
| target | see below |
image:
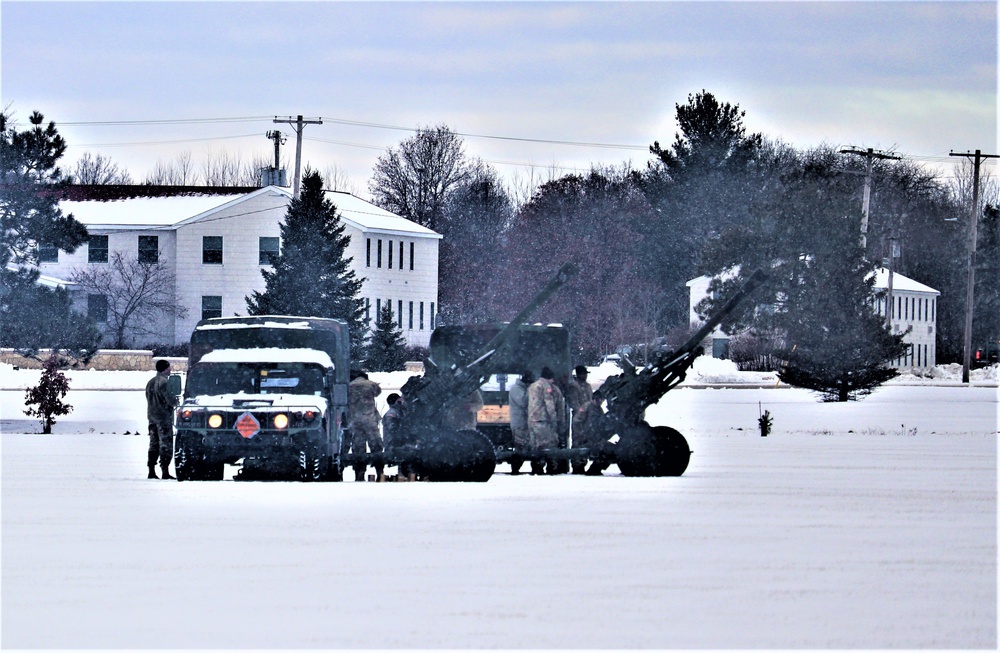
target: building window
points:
(368, 252)
(432, 316)
(97, 308)
(149, 249)
(378, 308)
(211, 306)
(400, 255)
(411, 256)
(368, 309)
(399, 314)
(97, 249)
(388, 244)
(378, 256)
(211, 250)
(411, 316)
(48, 254)
(270, 248)
(421, 316)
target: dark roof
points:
(100, 192)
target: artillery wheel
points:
(457, 456)
(653, 451)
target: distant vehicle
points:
(612, 358)
(988, 354)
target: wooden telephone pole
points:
(977, 158)
(869, 154)
(298, 124)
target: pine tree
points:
(48, 395)
(821, 297)
(387, 349)
(312, 276)
(33, 317)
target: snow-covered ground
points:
(870, 524)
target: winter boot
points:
(579, 466)
(359, 474)
(152, 472)
(379, 471)
(165, 472)
(537, 468)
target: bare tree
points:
(99, 169)
(961, 185)
(138, 295)
(178, 173)
(414, 180)
(336, 178)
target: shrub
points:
(48, 395)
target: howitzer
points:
(437, 451)
(645, 450)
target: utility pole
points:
(298, 124)
(278, 139)
(869, 155)
(978, 157)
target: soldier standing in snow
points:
(390, 421)
(546, 418)
(518, 397)
(160, 406)
(578, 394)
(364, 420)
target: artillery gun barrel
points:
(751, 284)
(630, 393)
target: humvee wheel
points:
(189, 459)
(457, 456)
(653, 451)
(313, 465)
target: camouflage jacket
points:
(578, 394)
(546, 404)
(361, 395)
(160, 403)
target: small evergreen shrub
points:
(48, 395)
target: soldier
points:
(390, 421)
(546, 418)
(361, 395)
(160, 406)
(518, 397)
(578, 395)
(595, 435)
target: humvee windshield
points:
(254, 379)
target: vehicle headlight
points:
(215, 420)
(281, 421)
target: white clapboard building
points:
(914, 311)
(215, 246)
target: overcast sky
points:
(916, 77)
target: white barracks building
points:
(215, 246)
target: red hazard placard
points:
(247, 425)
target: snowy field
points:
(871, 525)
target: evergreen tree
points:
(387, 349)
(986, 317)
(34, 317)
(311, 276)
(29, 202)
(48, 395)
(821, 297)
(697, 188)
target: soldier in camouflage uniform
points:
(518, 398)
(160, 405)
(546, 418)
(364, 420)
(578, 395)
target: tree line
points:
(717, 201)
